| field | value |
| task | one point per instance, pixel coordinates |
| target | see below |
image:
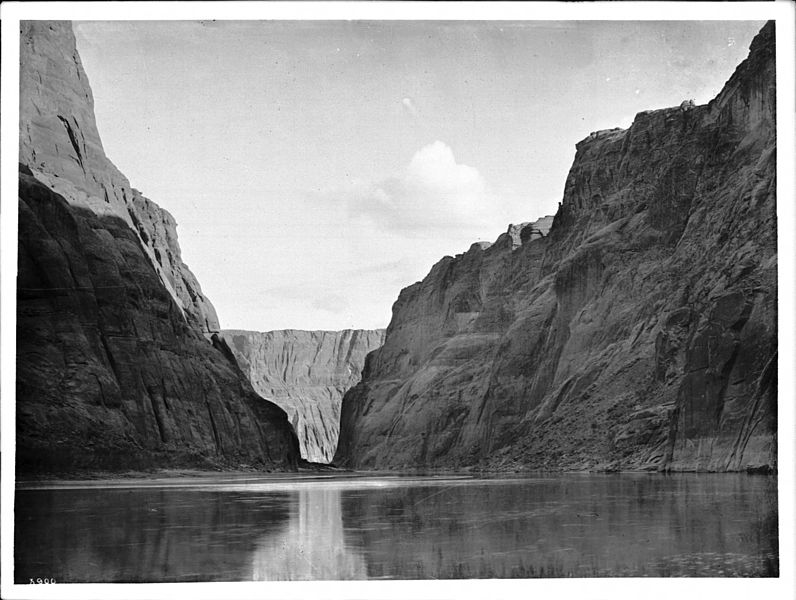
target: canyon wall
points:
(118, 363)
(641, 332)
(306, 373)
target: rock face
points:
(306, 373)
(641, 332)
(525, 232)
(114, 366)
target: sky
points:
(317, 168)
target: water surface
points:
(246, 528)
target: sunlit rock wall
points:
(306, 373)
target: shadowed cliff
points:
(114, 368)
(641, 332)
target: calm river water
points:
(243, 528)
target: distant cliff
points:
(114, 368)
(306, 373)
(640, 332)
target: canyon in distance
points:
(592, 394)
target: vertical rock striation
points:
(306, 373)
(641, 332)
(114, 366)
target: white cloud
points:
(433, 193)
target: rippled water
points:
(365, 527)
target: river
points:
(366, 526)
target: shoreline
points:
(237, 476)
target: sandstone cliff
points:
(641, 332)
(306, 373)
(114, 368)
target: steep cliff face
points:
(113, 366)
(639, 333)
(60, 142)
(306, 373)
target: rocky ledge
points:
(639, 333)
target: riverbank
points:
(309, 472)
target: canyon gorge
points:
(306, 373)
(635, 329)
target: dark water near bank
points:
(293, 527)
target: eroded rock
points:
(306, 373)
(113, 367)
(641, 332)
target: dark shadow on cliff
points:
(110, 375)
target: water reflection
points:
(311, 546)
(356, 528)
(141, 535)
(582, 526)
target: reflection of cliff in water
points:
(169, 535)
(582, 526)
(142, 535)
(312, 544)
(366, 528)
